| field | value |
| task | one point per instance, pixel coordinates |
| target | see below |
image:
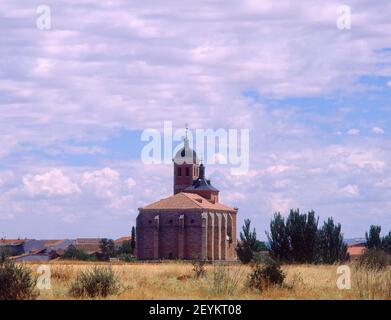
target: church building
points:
(190, 224)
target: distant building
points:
(12, 247)
(88, 245)
(17, 247)
(38, 255)
(356, 249)
(62, 244)
(34, 250)
(121, 240)
(192, 223)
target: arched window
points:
(187, 171)
(179, 171)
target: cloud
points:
(131, 183)
(5, 178)
(377, 130)
(106, 185)
(85, 201)
(91, 150)
(277, 169)
(127, 66)
(389, 84)
(53, 182)
(350, 190)
(97, 76)
(353, 132)
(100, 179)
(280, 203)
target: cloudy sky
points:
(75, 99)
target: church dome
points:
(186, 155)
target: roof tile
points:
(184, 200)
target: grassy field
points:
(177, 281)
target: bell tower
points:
(186, 167)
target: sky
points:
(75, 99)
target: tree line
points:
(376, 242)
(296, 239)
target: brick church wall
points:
(169, 235)
(185, 235)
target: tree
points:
(72, 253)
(261, 246)
(248, 243)
(311, 237)
(133, 239)
(107, 248)
(302, 230)
(295, 240)
(373, 238)
(330, 242)
(386, 243)
(278, 239)
(295, 226)
(125, 247)
(299, 240)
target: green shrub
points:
(127, 257)
(199, 268)
(263, 276)
(262, 258)
(3, 256)
(373, 259)
(72, 253)
(16, 282)
(96, 282)
(126, 247)
(107, 248)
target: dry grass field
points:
(177, 281)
